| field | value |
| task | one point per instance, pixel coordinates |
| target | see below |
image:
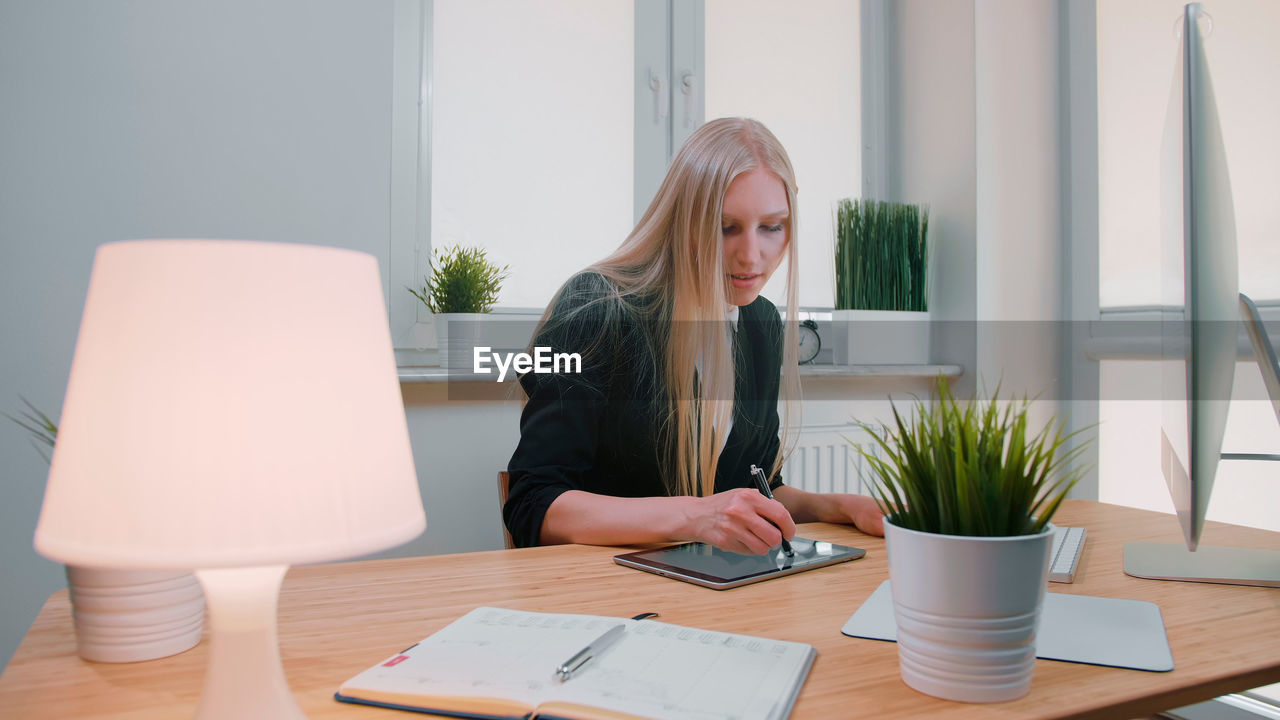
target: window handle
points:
(688, 84)
(659, 97)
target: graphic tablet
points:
(709, 566)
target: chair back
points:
(504, 487)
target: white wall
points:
(1019, 290)
(1019, 223)
(975, 131)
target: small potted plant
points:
(460, 291)
(123, 615)
(968, 492)
(882, 283)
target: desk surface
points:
(338, 619)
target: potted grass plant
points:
(968, 492)
(42, 431)
(460, 291)
(123, 615)
(882, 289)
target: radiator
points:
(824, 460)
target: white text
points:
(540, 362)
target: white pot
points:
(133, 615)
(881, 337)
(967, 609)
(458, 334)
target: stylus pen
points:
(583, 656)
(763, 483)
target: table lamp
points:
(233, 408)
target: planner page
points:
(655, 670)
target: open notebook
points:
(496, 663)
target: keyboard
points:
(1068, 542)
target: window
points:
(532, 115)
(546, 127)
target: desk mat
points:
(1073, 628)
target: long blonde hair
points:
(670, 269)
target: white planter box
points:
(881, 337)
(967, 609)
(458, 334)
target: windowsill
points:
(1137, 334)
(419, 361)
(435, 374)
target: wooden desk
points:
(336, 620)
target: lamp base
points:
(244, 679)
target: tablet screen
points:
(710, 566)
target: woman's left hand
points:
(857, 510)
(860, 511)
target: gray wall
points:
(235, 119)
(931, 155)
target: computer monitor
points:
(1199, 344)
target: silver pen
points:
(597, 646)
(583, 656)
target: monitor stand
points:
(1227, 565)
(1263, 352)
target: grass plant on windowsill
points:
(462, 280)
(969, 468)
(882, 256)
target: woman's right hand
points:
(742, 521)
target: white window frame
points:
(410, 238)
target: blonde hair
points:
(670, 270)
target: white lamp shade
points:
(230, 403)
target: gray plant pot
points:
(967, 609)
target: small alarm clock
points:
(810, 343)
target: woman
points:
(682, 361)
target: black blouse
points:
(598, 430)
